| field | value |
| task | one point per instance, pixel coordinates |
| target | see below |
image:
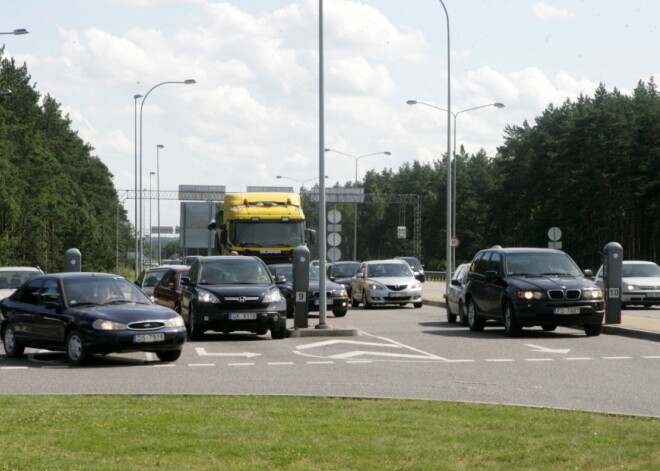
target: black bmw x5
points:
(525, 287)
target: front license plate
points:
(398, 295)
(566, 310)
(653, 295)
(242, 316)
(148, 338)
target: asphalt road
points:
(403, 353)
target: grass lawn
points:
(303, 433)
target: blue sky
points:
(254, 112)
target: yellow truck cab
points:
(268, 225)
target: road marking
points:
(651, 357)
(240, 364)
(200, 364)
(352, 342)
(279, 363)
(499, 360)
(201, 351)
(539, 359)
(460, 361)
(320, 362)
(539, 348)
(359, 361)
(578, 359)
(618, 358)
(343, 356)
(14, 368)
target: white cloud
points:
(549, 12)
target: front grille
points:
(146, 325)
(558, 294)
(397, 287)
(241, 302)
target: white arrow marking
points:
(352, 342)
(201, 351)
(538, 348)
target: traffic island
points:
(327, 331)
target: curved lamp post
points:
(158, 147)
(185, 82)
(455, 179)
(356, 158)
(137, 199)
(17, 32)
(302, 183)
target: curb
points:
(331, 331)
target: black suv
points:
(232, 293)
(524, 287)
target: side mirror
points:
(137, 283)
(185, 281)
(311, 236)
(280, 279)
(456, 282)
(588, 273)
(490, 275)
(359, 275)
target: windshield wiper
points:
(250, 244)
(119, 301)
(557, 274)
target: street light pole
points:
(455, 179)
(16, 32)
(302, 183)
(158, 147)
(151, 238)
(136, 228)
(185, 82)
(356, 158)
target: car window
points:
(541, 264)
(479, 263)
(102, 290)
(343, 270)
(167, 278)
(640, 270)
(248, 271)
(30, 292)
(50, 292)
(494, 262)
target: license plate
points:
(566, 310)
(148, 338)
(242, 316)
(653, 295)
(398, 295)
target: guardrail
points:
(435, 275)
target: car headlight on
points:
(207, 297)
(104, 324)
(272, 296)
(592, 294)
(632, 287)
(529, 295)
(175, 322)
(339, 293)
(372, 285)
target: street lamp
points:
(151, 238)
(17, 32)
(158, 147)
(185, 82)
(356, 158)
(137, 225)
(302, 183)
(455, 179)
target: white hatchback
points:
(13, 277)
(640, 284)
(385, 282)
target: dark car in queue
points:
(88, 313)
(168, 290)
(416, 266)
(230, 294)
(525, 287)
(342, 272)
(150, 277)
(455, 297)
(336, 296)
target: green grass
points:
(301, 433)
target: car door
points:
(357, 282)
(51, 321)
(493, 286)
(23, 312)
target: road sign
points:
(334, 254)
(554, 234)
(455, 242)
(334, 216)
(334, 239)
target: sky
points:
(253, 113)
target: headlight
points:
(529, 295)
(207, 297)
(175, 322)
(373, 285)
(339, 293)
(103, 324)
(272, 296)
(632, 287)
(416, 286)
(593, 294)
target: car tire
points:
(475, 323)
(511, 325)
(451, 317)
(549, 327)
(340, 312)
(76, 353)
(261, 332)
(169, 355)
(279, 332)
(418, 305)
(194, 331)
(593, 330)
(367, 304)
(13, 348)
(461, 314)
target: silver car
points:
(640, 284)
(455, 297)
(385, 282)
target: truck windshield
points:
(269, 234)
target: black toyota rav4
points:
(525, 287)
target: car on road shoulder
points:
(455, 298)
(83, 314)
(640, 283)
(11, 278)
(230, 293)
(525, 287)
(380, 282)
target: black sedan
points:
(336, 295)
(87, 313)
(230, 294)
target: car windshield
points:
(380, 270)
(541, 264)
(152, 278)
(287, 272)
(224, 272)
(412, 261)
(97, 290)
(269, 234)
(12, 279)
(344, 269)
(642, 270)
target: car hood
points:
(125, 312)
(394, 280)
(237, 290)
(642, 280)
(544, 283)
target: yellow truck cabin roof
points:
(262, 205)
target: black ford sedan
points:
(229, 294)
(88, 313)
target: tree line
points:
(590, 167)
